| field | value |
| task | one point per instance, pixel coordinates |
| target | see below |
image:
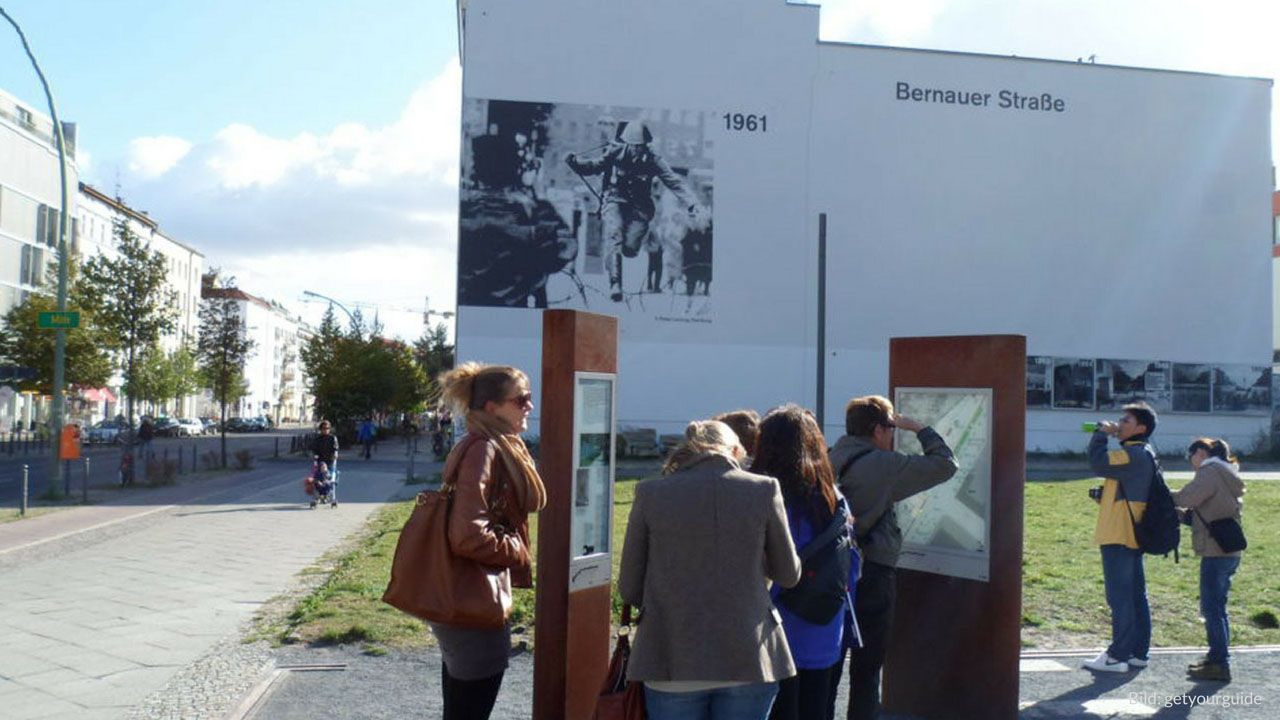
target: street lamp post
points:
(60, 336)
(341, 307)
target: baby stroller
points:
(322, 484)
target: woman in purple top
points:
(792, 449)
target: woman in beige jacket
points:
(702, 544)
(1215, 493)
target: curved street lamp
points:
(341, 307)
(60, 337)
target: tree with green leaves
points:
(359, 373)
(24, 343)
(222, 349)
(184, 376)
(433, 352)
(149, 382)
(128, 294)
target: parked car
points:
(107, 431)
(237, 424)
(211, 425)
(187, 427)
(165, 427)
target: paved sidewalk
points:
(93, 625)
(341, 682)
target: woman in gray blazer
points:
(703, 542)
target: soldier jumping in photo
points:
(628, 166)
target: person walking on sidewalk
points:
(367, 433)
(873, 476)
(1128, 473)
(1216, 493)
(496, 488)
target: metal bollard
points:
(84, 487)
(180, 460)
(193, 457)
(25, 471)
(277, 446)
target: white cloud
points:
(151, 157)
(397, 279)
(358, 212)
(423, 142)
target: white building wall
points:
(1131, 224)
(184, 268)
(273, 370)
(29, 202)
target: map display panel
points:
(947, 529)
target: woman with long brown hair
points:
(495, 488)
(818, 617)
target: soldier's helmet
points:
(634, 133)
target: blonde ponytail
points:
(470, 385)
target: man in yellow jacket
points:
(1127, 472)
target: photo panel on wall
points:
(586, 206)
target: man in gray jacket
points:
(873, 476)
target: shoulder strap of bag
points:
(845, 468)
(853, 459)
(838, 524)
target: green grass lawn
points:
(1063, 602)
(1062, 599)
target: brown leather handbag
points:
(429, 582)
(620, 699)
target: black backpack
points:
(825, 561)
(1159, 531)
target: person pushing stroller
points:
(324, 470)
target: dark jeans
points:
(1126, 586)
(468, 699)
(873, 606)
(810, 695)
(1215, 583)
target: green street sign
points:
(59, 320)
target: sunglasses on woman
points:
(525, 400)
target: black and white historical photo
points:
(1039, 381)
(1192, 387)
(1121, 382)
(1242, 389)
(586, 206)
(1073, 383)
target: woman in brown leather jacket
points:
(496, 486)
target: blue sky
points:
(314, 144)
(131, 68)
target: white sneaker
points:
(1137, 662)
(1105, 663)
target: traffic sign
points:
(59, 320)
